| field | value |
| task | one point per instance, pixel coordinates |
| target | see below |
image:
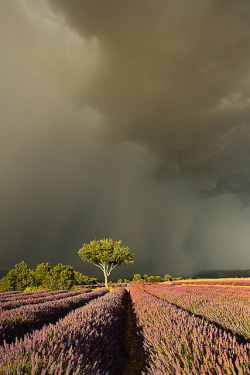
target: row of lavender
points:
(12, 293)
(19, 321)
(226, 306)
(179, 343)
(93, 342)
(232, 282)
(90, 340)
(112, 285)
(10, 296)
(35, 299)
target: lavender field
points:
(223, 305)
(138, 329)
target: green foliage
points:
(42, 272)
(106, 254)
(167, 278)
(154, 279)
(18, 278)
(60, 277)
(107, 251)
(44, 277)
(81, 279)
(138, 278)
(6, 285)
(145, 278)
(33, 288)
(151, 279)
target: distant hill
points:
(3, 273)
(213, 274)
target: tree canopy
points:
(106, 254)
(43, 277)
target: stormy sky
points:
(130, 120)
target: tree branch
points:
(111, 267)
(100, 266)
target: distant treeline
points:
(138, 278)
(150, 279)
(46, 277)
(215, 274)
(43, 277)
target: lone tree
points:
(106, 254)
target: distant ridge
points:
(3, 273)
(210, 274)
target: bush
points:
(44, 277)
(33, 289)
(5, 285)
(154, 279)
(18, 278)
(138, 278)
(167, 278)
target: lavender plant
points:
(48, 296)
(227, 306)
(90, 340)
(226, 282)
(23, 295)
(17, 322)
(7, 294)
(180, 343)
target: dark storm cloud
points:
(112, 112)
(175, 76)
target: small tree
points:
(81, 279)
(154, 279)
(20, 277)
(137, 278)
(106, 254)
(167, 277)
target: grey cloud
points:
(176, 77)
(111, 113)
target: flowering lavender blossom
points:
(9, 294)
(227, 282)
(48, 296)
(227, 306)
(89, 341)
(102, 285)
(17, 322)
(181, 344)
(25, 295)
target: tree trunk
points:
(106, 280)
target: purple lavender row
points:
(88, 341)
(25, 295)
(227, 306)
(179, 343)
(8, 294)
(39, 299)
(102, 285)
(232, 282)
(17, 322)
(29, 295)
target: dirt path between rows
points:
(137, 358)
